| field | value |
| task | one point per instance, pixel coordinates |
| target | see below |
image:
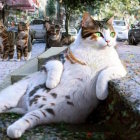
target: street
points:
(6, 67)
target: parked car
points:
(72, 31)
(38, 29)
(134, 34)
(121, 28)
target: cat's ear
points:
(27, 24)
(47, 25)
(87, 20)
(110, 21)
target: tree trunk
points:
(3, 14)
(58, 11)
(67, 22)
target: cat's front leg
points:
(104, 77)
(54, 70)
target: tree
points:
(50, 9)
(73, 6)
(102, 8)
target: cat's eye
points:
(98, 34)
(112, 34)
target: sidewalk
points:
(7, 67)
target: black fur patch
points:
(42, 86)
(41, 106)
(36, 116)
(34, 100)
(27, 121)
(70, 103)
(49, 110)
(52, 104)
(54, 95)
(44, 99)
(43, 113)
(67, 97)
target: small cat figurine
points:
(70, 91)
(23, 41)
(7, 40)
(55, 37)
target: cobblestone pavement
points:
(8, 66)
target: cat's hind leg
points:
(54, 70)
(25, 53)
(107, 74)
(19, 52)
(11, 52)
(10, 96)
(30, 120)
(6, 52)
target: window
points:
(118, 23)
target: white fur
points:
(21, 41)
(54, 69)
(29, 55)
(84, 84)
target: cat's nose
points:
(107, 41)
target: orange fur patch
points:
(73, 59)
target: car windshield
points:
(72, 33)
(119, 23)
(37, 22)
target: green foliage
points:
(100, 8)
(118, 8)
(50, 9)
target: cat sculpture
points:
(69, 91)
(7, 41)
(23, 42)
(55, 37)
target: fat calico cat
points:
(7, 40)
(23, 41)
(70, 91)
(55, 37)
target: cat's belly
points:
(74, 90)
(22, 43)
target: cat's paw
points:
(51, 84)
(26, 58)
(102, 87)
(14, 131)
(11, 60)
(5, 59)
(54, 70)
(29, 55)
(18, 60)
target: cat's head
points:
(53, 31)
(99, 33)
(23, 26)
